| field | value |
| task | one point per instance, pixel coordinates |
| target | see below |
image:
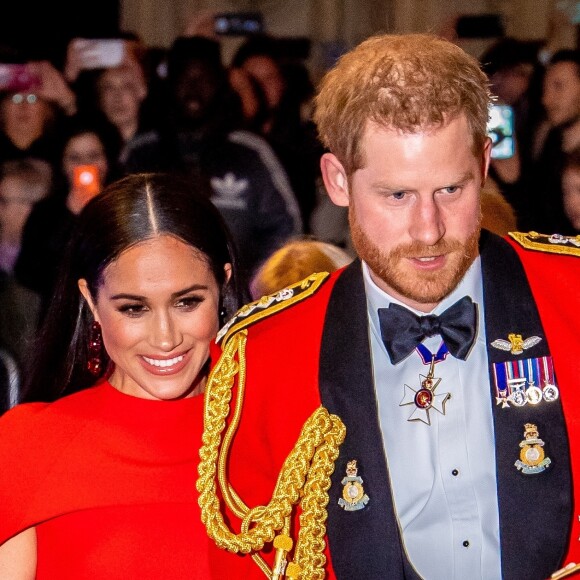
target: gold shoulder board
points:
(268, 305)
(550, 243)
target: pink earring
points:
(95, 363)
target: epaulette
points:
(268, 305)
(549, 243)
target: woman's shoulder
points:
(26, 416)
(20, 416)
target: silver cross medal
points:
(425, 398)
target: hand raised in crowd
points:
(571, 137)
(241, 82)
(53, 86)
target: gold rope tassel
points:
(305, 476)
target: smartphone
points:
(99, 52)
(17, 77)
(86, 181)
(500, 128)
(239, 23)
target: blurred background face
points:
(561, 93)
(571, 189)
(84, 149)
(266, 72)
(15, 206)
(195, 90)
(510, 84)
(121, 92)
(24, 111)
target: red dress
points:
(109, 482)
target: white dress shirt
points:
(443, 475)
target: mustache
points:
(417, 249)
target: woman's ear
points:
(84, 290)
(228, 272)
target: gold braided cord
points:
(309, 553)
(305, 476)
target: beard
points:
(422, 287)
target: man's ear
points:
(486, 158)
(84, 290)
(335, 179)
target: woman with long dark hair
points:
(100, 483)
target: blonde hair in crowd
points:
(405, 82)
(294, 261)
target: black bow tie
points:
(402, 330)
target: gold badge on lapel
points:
(515, 343)
(532, 457)
(353, 494)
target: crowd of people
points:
(162, 217)
(239, 133)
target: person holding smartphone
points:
(561, 101)
(88, 156)
(514, 72)
(33, 106)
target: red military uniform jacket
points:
(316, 352)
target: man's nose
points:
(427, 223)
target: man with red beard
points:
(442, 351)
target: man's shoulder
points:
(273, 304)
(253, 148)
(142, 142)
(145, 139)
(532, 242)
(248, 139)
(551, 265)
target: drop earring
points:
(222, 315)
(95, 363)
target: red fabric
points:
(555, 283)
(281, 395)
(109, 482)
(268, 432)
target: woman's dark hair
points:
(129, 211)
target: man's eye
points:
(398, 195)
(451, 189)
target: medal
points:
(425, 397)
(532, 457)
(353, 494)
(525, 382)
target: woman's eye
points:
(133, 310)
(188, 303)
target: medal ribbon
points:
(537, 371)
(428, 357)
